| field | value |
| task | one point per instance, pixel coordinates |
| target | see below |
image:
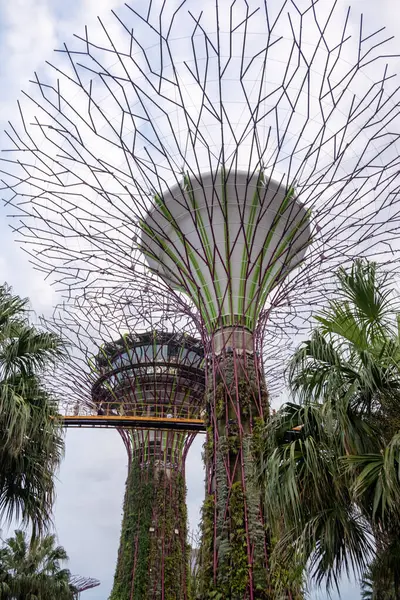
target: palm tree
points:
(378, 581)
(33, 571)
(31, 442)
(330, 464)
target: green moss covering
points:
(153, 556)
(230, 511)
(136, 522)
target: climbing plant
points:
(153, 536)
(233, 532)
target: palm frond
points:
(33, 570)
(31, 443)
(329, 467)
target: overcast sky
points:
(91, 480)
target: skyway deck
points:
(134, 422)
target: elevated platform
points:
(76, 421)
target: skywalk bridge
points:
(134, 422)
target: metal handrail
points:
(135, 422)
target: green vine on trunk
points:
(136, 523)
(153, 559)
(231, 516)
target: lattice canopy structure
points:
(81, 584)
(120, 124)
(222, 160)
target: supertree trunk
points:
(153, 558)
(234, 553)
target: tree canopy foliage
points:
(31, 443)
(33, 571)
(329, 461)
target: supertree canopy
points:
(226, 238)
(81, 584)
(116, 369)
(224, 159)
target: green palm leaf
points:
(330, 465)
(34, 570)
(31, 443)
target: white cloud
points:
(29, 32)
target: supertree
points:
(82, 584)
(144, 376)
(226, 160)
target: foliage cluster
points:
(153, 546)
(332, 484)
(31, 442)
(233, 530)
(32, 571)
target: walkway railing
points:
(135, 422)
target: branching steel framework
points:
(83, 583)
(224, 161)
